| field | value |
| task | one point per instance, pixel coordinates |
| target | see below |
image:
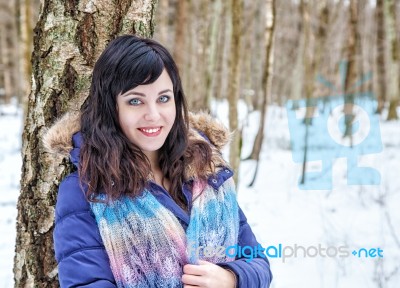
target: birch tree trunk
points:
(267, 72)
(69, 36)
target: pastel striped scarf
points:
(146, 244)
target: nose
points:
(152, 113)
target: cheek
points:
(121, 120)
(124, 120)
(173, 116)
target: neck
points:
(155, 166)
(153, 159)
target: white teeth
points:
(151, 130)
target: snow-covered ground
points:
(10, 172)
(279, 212)
(352, 216)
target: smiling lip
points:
(151, 131)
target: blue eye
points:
(135, 102)
(164, 99)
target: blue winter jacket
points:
(80, 253)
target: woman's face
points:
(147, 112)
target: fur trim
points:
(58, 138)
(216, 132)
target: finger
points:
(204, 262)
(190, 286)
(193, 269)
(191, 280)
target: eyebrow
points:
(143, 95)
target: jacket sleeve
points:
(80, 253)
(256, 272)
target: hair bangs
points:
(145, 70)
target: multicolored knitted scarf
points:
(146, 244)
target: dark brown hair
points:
(109, 162)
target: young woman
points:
(152, 199)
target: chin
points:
(150, 148)
(146, 149)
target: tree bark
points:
(394, 63)
(223, 53)
(200, 30)
(8, 48)
(258, 56)
(162, 22)
(297, 73)
(234, 84)
(248, 44)
(5, 71)
(180, 34)
(211, 63)
(381, 48)
(69, 36)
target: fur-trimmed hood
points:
(58, 138)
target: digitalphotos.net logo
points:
(284, 252)
(322, 139)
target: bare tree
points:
(180, 34)
(350, 51)
(213, 44)
(394, 57)
(266, 83)
(297, 73)
(223, 48)
(27, 11)
(200, 53)
(234, 83)
(162, 20)
(69, 36)
(258, 53)
(8, 49)
(380, 60)
(305, 11)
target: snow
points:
(10, 167)
(278, 211)
(353, 216)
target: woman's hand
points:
(207, 275)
